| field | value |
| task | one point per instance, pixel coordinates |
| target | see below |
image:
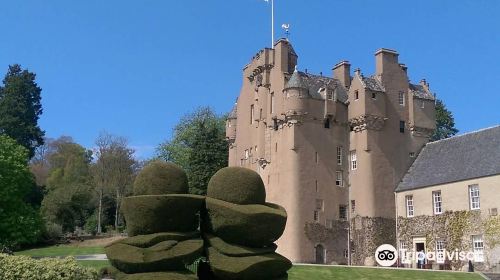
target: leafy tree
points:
(199, 146)
(20, 108)
(69, 200)
(19, 222)
(445, 123)
(112, 172)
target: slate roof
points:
(420, 92)
(314, 82)
(372, 83)
(234, 112)
(468, 156)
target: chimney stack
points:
(342, 72)
(386, 62)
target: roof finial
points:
(295, 69)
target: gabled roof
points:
(371, 83)
(313, 83)
(420, 91)
(468, 156)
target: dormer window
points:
(356, 95)
(329, 94)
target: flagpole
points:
(272, 24)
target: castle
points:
(331, 150)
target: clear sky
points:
(133, 68)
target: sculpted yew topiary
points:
(237, 185)
(159, 177)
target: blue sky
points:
(133, 68)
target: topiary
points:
(159, 177)
(237, 185)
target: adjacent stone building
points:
(449, 200)
(331, 150)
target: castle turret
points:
(295, 91)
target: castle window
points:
(356, 95)
(316, 216)
(423, 104)
(317, 186)
(401, 98)
(329, 94)
(437, 202)
(412, 154)
(246, 154)
(353, 206)
(374, 95)
(272, 103)
(260, 114)
(319, 204)
(409, 206)
(478, 245)
(402, 126)
(440, 254)
(327, 123)
(346, 254)
(317, 157)
(276, 147)
(354, 160)
(342, 212)
(339, 155)
(251, 114)
(338, 181)
(474, 197)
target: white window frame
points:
(339, 182)
(423, 104)
(410, 207)
(339, 155)
(440, 251)
(354, 160)
(401, 98)
(437, 202)
(474, 198)
(403, 250)
(478, 247)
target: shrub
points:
(91, 224)
(147, 214)
(237, 250)
(145, 241)
(26, 268)
(161, 177)
(237, 185)
(248, 225)
(52, 232)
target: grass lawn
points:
(95, 264)
(61, 250)
(303, 272)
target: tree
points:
(112, 172)
(199, 146)
(445, 123)
(69, 200)
(20, 108)
(19, 222)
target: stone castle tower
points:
(331, 150)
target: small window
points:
(260, 114)
(474, 197)
(422, 104)
(329, 95)
(401, 98)
(272, 103)
(246, 154)
(354, 160)
(251, 114)
(409, 206)
(374, 95)
(437, 202)
(268, 179)
(338, 180)
(319, 204)
(317, 157)
(276, 147)
(478, 245)
(412, 154)
(440, 254)
(339, 155)
(316, 216)
(402, 126)
(317, 189)
(356, 95)
(342, 212)
(353, 206)
(346, 254)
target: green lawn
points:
(302, 272)
(61, 250)
(95, 264)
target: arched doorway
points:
(320, 254)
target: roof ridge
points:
(465, 134)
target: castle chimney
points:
(386, 62)
(342, 72)
(424, 83)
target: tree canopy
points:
(445, 123)
(20, 108)
(199, 146)
(19, 222)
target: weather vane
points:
(286, 27)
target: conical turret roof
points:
(295, 81)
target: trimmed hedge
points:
(26, 268)
(247, 225)
(267, 266)
(156, 276)
(159, 177)
(237, 250)
(237, 185)
(131, 259)
(147, 214)
(145, 241)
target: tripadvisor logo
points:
(386, 255)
